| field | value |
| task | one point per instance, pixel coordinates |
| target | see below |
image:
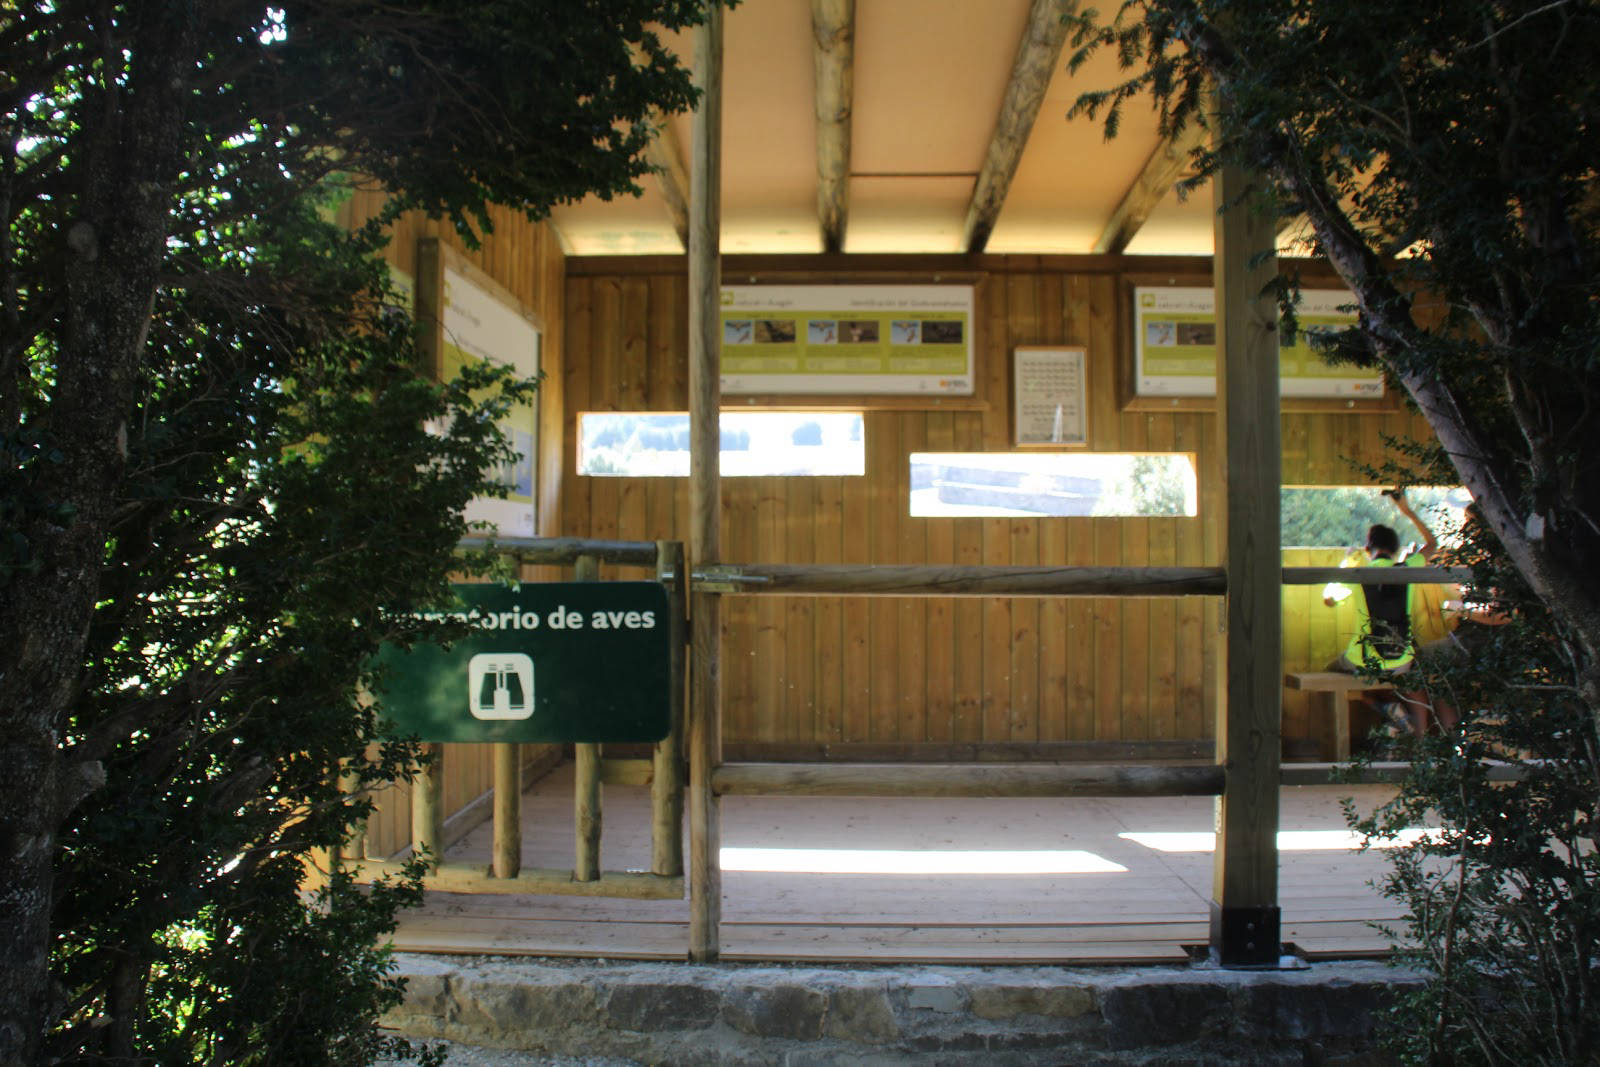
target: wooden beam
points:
(1037, 56)
(833, 26)
(919, 580)
(464, 878)
(1168, 163)
(1245, 917)
(665, 157)
(705, 495)
(965, 780)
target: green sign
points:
(547, 662)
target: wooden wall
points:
(1069, 678)
(526, 259)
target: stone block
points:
(930, 993)
(782, 1011)
(860, 1014)
(655, 1006)
(1166, 1013)
(1010, 1001)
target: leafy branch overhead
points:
(1443, 157)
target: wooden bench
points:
(1337, 691)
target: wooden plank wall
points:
(525, 258)
(1082, 678)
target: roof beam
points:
(1166, 165)
(833, 25)
(667, 161)
(1036, 60)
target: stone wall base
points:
(796, 1016)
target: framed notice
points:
(1175, 346)
(903, 340)
(1049, 396)
(468, 317)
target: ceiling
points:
(930, 90)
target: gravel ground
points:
(475, 1056)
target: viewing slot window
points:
(754, 443)
(1338, 517)
(1109, 484)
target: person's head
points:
(1382, 540)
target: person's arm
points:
(1429, 544)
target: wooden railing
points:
(664, 771)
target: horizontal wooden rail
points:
(917, 580)
(964, 780)
(561, 551)
(468, 878)
(1033, 779)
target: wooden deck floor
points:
(1140, 904)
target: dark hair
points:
(1383, 539)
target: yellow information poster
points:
(847, 339)
(1175, 346)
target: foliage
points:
(1340, 517)
(217, 492)
(1442, 157)
(1503, 905)
(282, 497)
(1462, 134)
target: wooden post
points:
(1245, 918)
(705, 279)
(354, 847)
(427, 805)
(586, 779)
(507, 857)
(666, 781)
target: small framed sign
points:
(1049, 396)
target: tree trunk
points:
(114, 246)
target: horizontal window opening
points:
(1102, 484)
(754, 444)
(1339, 517)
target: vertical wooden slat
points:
(939, 547)
(575, 390)
(828, 686)
(705, 738)
(883, 536)
(1163, 642)
(970, 691)
(799, 632)
(587, 812)
(1191, 638)
(1134, 534)
(769, 647)
(666, 781)
(1244, 907)
(912, 644)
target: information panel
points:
(847, 339)
(546, 662)
(478, 325)
(1175, 346)
(1049, 396)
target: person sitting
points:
(1382, 640)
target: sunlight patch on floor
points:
(1288, 840)
(888, 861)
